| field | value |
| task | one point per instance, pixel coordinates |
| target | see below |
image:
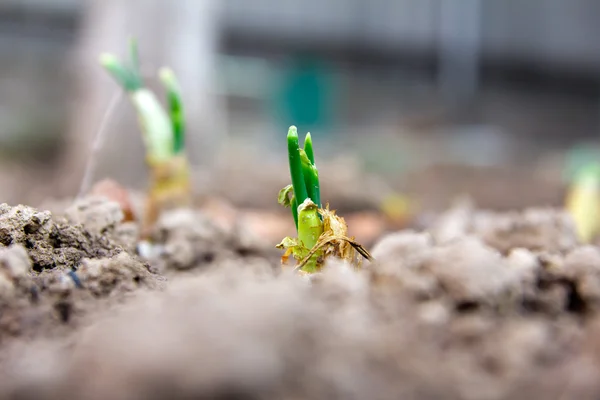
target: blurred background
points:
(429, 98)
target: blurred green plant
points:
(163, 133)
(583, 201)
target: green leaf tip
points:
(128, 77)
(118, 71)
(308, 148)
(169, 81)
(292, 132)
(167, 77)
(108, 59)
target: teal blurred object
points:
(305, 96)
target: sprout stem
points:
(316, 188)
(310, 227)
(134, 59)
(174, 99)
(156, 126)
(298, 184)
(311, 179)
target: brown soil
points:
(482, 305)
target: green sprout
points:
(163, 132)
(304, 173)
(303, 196)
(320, 232)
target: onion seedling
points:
(321, 233)
(163, 133)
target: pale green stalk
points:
(310, 227)
(156, 126)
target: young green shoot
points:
(320, 232)
(163, 132)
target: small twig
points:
(88, 175)
(361, 250)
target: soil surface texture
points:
(480, 305)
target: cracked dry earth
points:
(481, 306)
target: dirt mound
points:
(536, 229)
(53, 242)
(236, 334)
(54, 271)
(190, 240)
(454, 313)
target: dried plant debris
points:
(332, 241)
